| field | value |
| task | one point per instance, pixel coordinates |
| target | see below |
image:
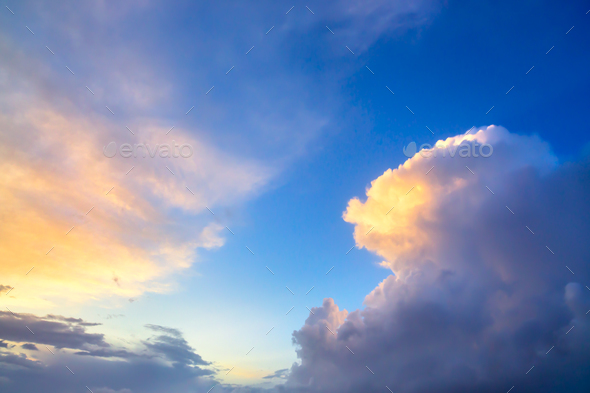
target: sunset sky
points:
(297, 249)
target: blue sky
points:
(298, 128)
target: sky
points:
(301, 246)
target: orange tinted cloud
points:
(131, 233)
(403, 204)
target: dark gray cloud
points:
(12, 362)
(166, 363)
(29, 346)
(108, 353)
(4, 288)
(173, 347)
(57, 331)
(165, 330)
(282, 374)
(77, 321)
(21, 374)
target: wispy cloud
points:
(154, 220)
(55, 180)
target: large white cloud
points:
(476, 299)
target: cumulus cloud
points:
(406, 206)
(475, 299)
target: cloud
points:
(165, 362)
(77, 321)
(165, 330)
(53, 171)
(114, 316)
(281, 374)
(404, 205)
(103, 253)
(173, 347)
(108, 353)
(475, 299)
(136, 375)
(70, 333)
(473, 302)
(12, 362)
(360, 25)
(56, 331)
(107, 390)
